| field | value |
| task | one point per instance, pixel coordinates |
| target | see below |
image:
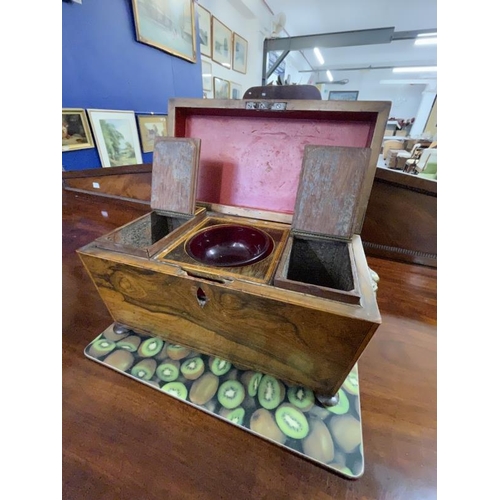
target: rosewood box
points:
(251, 251)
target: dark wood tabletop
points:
(124, 440)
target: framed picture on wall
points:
(240, 53)
(343, 95)
(221, 88)
(150, 127)
(76, 132)
(116, 136)
(205, 31)
(236, 91)
(221, 43)
(206, 73)
(168, 26)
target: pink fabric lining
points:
(256, 161)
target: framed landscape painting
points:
(343, 95)
(116, 137)
(221, 88)
(206, 74)
(205, 31)
(151, 127)
(240, 53)
(166, 25)
(236, 91)
(221, 43)
(75, 130)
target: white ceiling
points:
(309, 17)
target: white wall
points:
(405, 97)
(252, 20)
(241, 22)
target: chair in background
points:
(427, 165)
(391, 144)
(416, 157)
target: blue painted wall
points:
(104, 67)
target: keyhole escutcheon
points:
(201, 297)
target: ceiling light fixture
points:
(329, 75)
(415, 69)
(422, 35)
(319, 56)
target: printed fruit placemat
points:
(288, 416)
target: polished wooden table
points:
(124, 440)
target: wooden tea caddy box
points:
(302, 172)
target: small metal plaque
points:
(267, 105)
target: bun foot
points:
(328, 400)
(120, 329)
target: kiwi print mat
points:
(260, 404)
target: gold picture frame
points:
(222, 46)
(240, 53)
(150, 127)
(76, 132)
(116, 137)
(236, 91)
(343, 95)
(221, 88)
(206, 75)
(205, 30)
(168, 26)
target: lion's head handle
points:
(375, 279)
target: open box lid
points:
(329, 192)
(252, 150)
(175, 175)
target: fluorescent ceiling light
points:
(319, 56)
(426, 41)
(426, 34)
(409, 81)
(329, 75)
(414, 69)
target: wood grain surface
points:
(330, 270)
(329, 190)
(148, 234)
(294, 342)
(261, 271)
(369, 115)
(401, 219)
(123, 440)
(131, 185)
(400, 222)
(175, 174)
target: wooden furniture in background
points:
(131, 182)
(391, 145)
(400, 221)
(401, 218)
